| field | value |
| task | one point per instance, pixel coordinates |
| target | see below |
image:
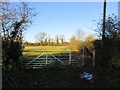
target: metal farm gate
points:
(45, 58)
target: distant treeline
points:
(43, 39)
(45, 44)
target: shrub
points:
(11, 53)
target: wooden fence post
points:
(93, 58)
(83, 57)
(69, 58)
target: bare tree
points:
(62, 38)
(57, 39)
(52, 41)
(80, 35)
(15, 20)
(41, 37)
(49, 40)
(46, 41)
(112, 27)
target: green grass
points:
(45, 48)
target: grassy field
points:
(44, 48)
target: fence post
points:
(69, 58)
(83, 57)
(93, 58)
(46, 58)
